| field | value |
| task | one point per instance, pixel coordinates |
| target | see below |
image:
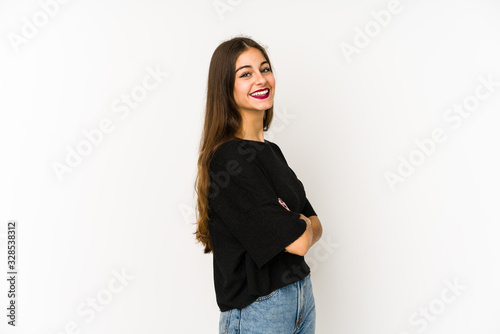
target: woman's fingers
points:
(283, 204)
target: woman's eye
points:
(246, 74)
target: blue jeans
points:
(288, 310)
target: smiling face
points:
(254, 82)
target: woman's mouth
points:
(261, 94)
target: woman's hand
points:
(308, 221)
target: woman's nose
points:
(260, 79)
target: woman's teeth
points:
(261, 93)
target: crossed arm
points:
(310, 236)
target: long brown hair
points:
(222, 121)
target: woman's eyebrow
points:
(244, 66)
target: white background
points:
(342, 122)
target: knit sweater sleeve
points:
(241, 195)
(308, 210)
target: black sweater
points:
(249, 228)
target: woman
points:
(253, 213)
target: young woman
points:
(253, 213)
